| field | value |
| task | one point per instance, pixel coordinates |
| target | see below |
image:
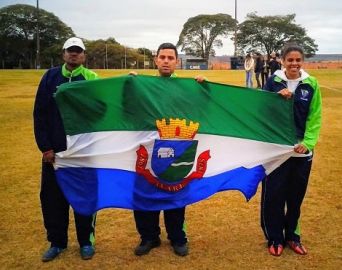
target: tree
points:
(201, 34)
(147, 57)
(270, 33)
(96, 53)
(18, 36)
(118, 56)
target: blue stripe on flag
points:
(89, 189)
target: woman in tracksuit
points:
(284, 189)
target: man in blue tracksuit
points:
(147, 222)
(51, 138)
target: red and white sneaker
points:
(276, 249)
(297, 247)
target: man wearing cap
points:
(51, 138)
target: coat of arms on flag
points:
(173, 156)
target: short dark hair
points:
(167, 45)
(292, 47)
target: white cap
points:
(74, 41)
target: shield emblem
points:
(172, 160)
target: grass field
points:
(223, 231)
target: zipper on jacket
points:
(70, 78)
(285, 84)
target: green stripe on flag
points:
(134, 103)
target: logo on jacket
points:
(305, 94)
(173, 156)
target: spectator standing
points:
(258, 68)
(249, 66)
(274, 63)
(265, 71)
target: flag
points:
(155, 143)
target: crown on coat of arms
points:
(176, 129)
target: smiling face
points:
(166, 61)
(293, 62)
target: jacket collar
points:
(68, 74)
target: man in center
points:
(147, 222)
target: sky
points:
(148, 23)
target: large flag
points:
(154, 143)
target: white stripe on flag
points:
(117, 150)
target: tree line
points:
(200, 36)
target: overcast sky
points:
(147, 23)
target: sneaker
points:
(180, 249)
(51, 253)
(145, 246)
(87, 252)
(276, 249)
(297, 247)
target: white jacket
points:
(249, 64)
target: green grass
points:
(224, 230)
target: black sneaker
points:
(51, 253)
(145, 246)
(181, 249)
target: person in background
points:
(278, 59)
(249, 66)
(274, 62)
(265, 71)
(51, 138)
(284, 189)
(258, 68)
